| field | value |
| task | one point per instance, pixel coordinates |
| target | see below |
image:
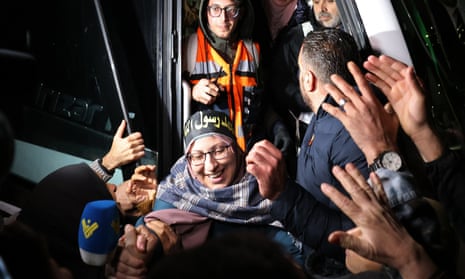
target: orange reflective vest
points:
(238, 79)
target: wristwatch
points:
(103, 172)
(390, 160)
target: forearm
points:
(428, 144)
(447, 175)
(109, 163)
(309, 220)
(416, 263)
(101, 170)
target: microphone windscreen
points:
(99, 230)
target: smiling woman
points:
(210, 179)
(211, 149)
(209, 194)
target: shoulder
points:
(327, 124)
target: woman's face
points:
(213, 173)
(225, 23)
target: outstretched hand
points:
(402, 88)
(378, 235)
(372, 127)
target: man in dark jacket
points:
(300, 205)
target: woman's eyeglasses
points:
(230, 11)
(198, 158)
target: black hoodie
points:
(243, 31)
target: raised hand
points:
(266, 163)
(378, 235)
(404, 91)
(123, 150)
(372, 127)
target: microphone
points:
(99, 230)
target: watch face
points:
(392, 161)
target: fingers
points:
(262, 158)
(139, 179)
(345, 240)
(350, 240)
(385, 71)
(356, 181)
(135, 138)
(362, 83)
(345, 91)
(144, 169)
(340, 200)
(266, 163)
(140, 187)
(205, 91)
(357, 187)
(131, 260)
(379, 189)
(346, 95)
(130, 235)
(353, 182)
(144, 175)
(341, 90)
(146, 241)
(167, 237)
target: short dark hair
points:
(238, 254)
(327, 52)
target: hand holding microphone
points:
(99, 230)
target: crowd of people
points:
(251, 196)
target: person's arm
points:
(444, 168)
(137, 246)
(404, 92)
(277, 129)
(447, 174)
(296, 208)
(372, 127)
(205, 91)
(309, 220)
(142, 245)
(378, 235)
(123, 150)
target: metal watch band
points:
(96, 166)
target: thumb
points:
(349, 241)
(130, 235)
(121, 128)
(388, 108)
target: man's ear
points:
(309, 81)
